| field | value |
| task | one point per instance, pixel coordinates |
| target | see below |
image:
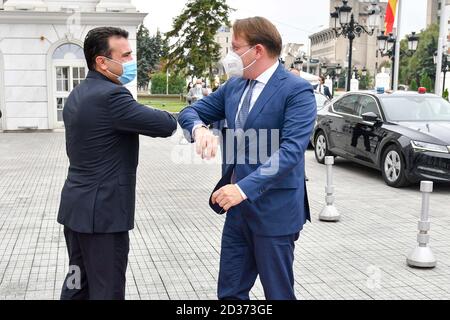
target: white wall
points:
(2, 93)
(28, 76)
(25, 77)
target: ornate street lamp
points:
(413, 41)
(364, 72)
(323, 68)
(298, 63)
(338, 69)
(386, 46)
(351, 29)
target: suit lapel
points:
(267, 93)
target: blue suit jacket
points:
(103, 123)
(277, 199)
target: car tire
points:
(393, 167)
(321, 147)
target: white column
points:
(115, 6)
(397, 44)
(442, 41)
(36, 5)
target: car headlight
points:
(420, 146)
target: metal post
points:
(393, 72)
(329, 212)
(422, 256)
(397, 44)
(167, 81)
(443, 82)
(349, 70)
(442, 40)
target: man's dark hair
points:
(96, 43)
(322, 78)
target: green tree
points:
(413, 85)
(425, 81)
(193, 33)
(445, 94)
(177, 83)
(365, 82)
(421, 62)
(150, 51)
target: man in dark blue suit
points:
(103, 122)
(263, 192)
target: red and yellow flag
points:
(390, 16)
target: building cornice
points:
(86, 18)
(322, 32)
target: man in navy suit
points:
(269, 110)
(103, 123)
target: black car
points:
(406, 135)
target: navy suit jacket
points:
(103, 122)
(277, 201)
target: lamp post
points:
(323, 68)
(445, 67)
(351, 29)
(386, 46)
(334, 73)
(364, 72)
(298, 64)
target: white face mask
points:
(198, 86)
(233, 64)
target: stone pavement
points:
(175, 244)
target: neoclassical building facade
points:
(41, 54)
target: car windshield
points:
(416, 108)
(320, 100)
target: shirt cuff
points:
(242, 192)
(198, 125)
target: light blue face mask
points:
(129, 71)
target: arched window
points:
(69, 51)
(69, 67)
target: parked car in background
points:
(404, 134)
(321, 100)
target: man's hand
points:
(228, 196)
(206, 143)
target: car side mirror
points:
(370, 116)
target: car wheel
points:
(321, 147)
(393, 168)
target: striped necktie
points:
(245, 108)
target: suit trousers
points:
(97, 266)
(245, 255)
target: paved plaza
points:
(176, 241)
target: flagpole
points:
(441, 43)
(397, 44)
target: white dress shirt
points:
(262, 80)
(259, 87)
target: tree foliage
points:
(193, 36)
(150, 51)
(420, 65)
(177, 83)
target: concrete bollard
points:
(329, 212)
(422, 256)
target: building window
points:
(69, 51)
(69, 67)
